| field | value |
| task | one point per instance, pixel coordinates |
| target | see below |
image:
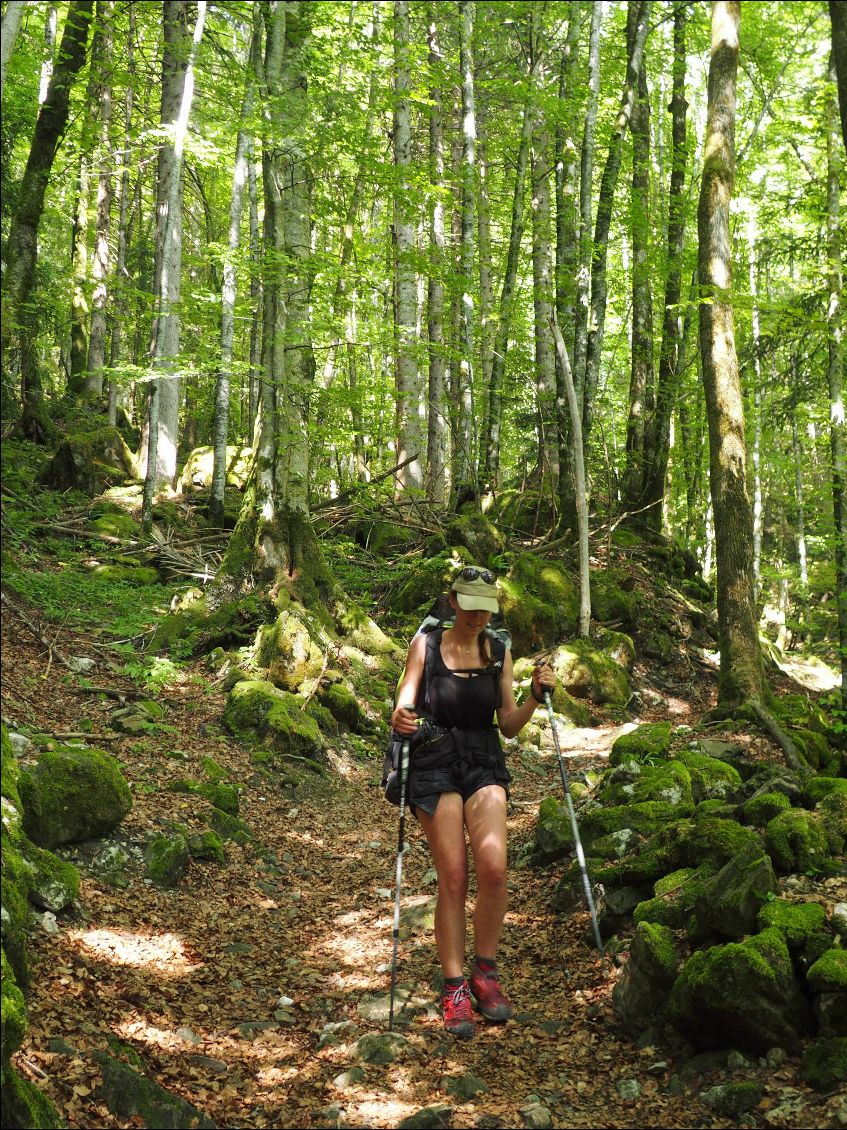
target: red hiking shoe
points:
(457, 1012)
(490, 998)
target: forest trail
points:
(245, 990)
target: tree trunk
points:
(255, 374)
(756, 446)
(464, 451)
(101, 51)
(542, 300)
(642, 375)
(486, 282)
(835, 375)
(228, 288)
(741, 673)
(409, 425)
(838, 16)
(657, 440)
(605, 201)
(177, 96)
(79, 296)
(436, 467)
(11, 27)
(22, 246)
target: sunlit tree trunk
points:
(542, 300)
(11, 26)
(835, 371)
(657, 436)
(254, 375)
(756, 446)
(22, 245)
(799, 499)
(159, 457)
(51, 24)
(436, 467)
(79, 320)
(101, 54)
(486, 280)
(741, 672)
(409, 428)
(464, 450)
(228, 288)
(117, 393)
(838, 15)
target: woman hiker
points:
(460, 677)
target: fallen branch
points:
(780, 736)
(39, 635)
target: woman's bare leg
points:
(485, 817)
(445, 833)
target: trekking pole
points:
(404, 773)
(580, 854)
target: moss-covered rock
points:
(229, 827)
(816, 750)
(618, 646)
(139, 575)
(729, 902)
(641, 993)
(55, 882)
(207, 846)
(611, 601)
(715, 840)
(732, 1100)
(111, 521)
(587, 672)
(72, 795)
(90, 461)
(803, 925)
(539, 601)
(553, 834)
(344, 706)
(796, 841)
(167, 859)
(528, 511)
(832, 812)
(648, 742)
(824, 1064)
(643, 817)
(477, 533)
(669, 782)
(22, 1104)
(674, 897)
(199, 466)
(711, 779)
(256, 708)
(290, 649)
(816, 788)
(744, 990)
(222, 795)
(761, 808)
(829, 972)
(658, 645)
(135, 1099)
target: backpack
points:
(499, 638)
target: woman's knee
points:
(453, 880)
(491, 873)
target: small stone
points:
(464, 1087)
(381, 1047)
(731, 1100)
(736, 1060)
(434, 1117)
(47, 922)
(536, 1116)
(22, 746)
(213, 1066)
(80, 664)
(285, 1002)
(348, 1078)
(774, 1058)
(629, 1088)
(839, 917)
(676, 1086)
(189, 1036)
(658, 1068)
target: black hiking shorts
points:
(475, 760)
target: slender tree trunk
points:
(51, 24)
(741, 673)
(255, 374)
(465, 448)
(486, 282)
(22, 245)
(11, 26)
(177, 96)
(79, 297)
(101, 54)
(436, 467)
(756, 447)
(586, 177)
(117, 393)
(799, 499)
(543, 294)
(605, 201)
(409, 429)
(838, 16)
(641, 390)
(228, 289)
(835, 373)
(494, 415)
(657, 439)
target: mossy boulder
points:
(832, 813)
(526, 510)
(22, 1104)
(360, 631)
(816, 788)
(796, 841)
(553, 833)
(640, 995)
(658, 645)
(829, 972)
(257, 708)
(477, 533)
(669, 782)
(803, 925)
(613, 599)
(618, 646)
(761, 808)
(136, 1100)
(206, 846)
(651, 741)
(816, 750)
(222, 795)
(587, 672)
(743, 991)
(674, 897)
(711, 778)
(72, 795)
(229, 827)
(138, 575)
(824, 1064)
(643, 817)
(55, 882)
(199, 467)
(290, 650)
(715, 840)
(110, 520)
(90, 462)
(167, 858)
(539, 601)
(421, 584)
(729, 902)
(344, 707)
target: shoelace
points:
(456, 996)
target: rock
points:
(257, 707)
(537, 1116)
(553, 834)
(206, 845)
(674, 897)
(348, 1078)
(796, 841)
(763, 806)
(21, 745)
(629, 1089)
(207, 1063)
(640, 995)
(167, 859)
(839, 919)
(611, 601)
(436, 1117)
(129, 1095)
(586, 672)
(55, 883)
(832, 812)
(745, 988)
(731, 1100)
(464, 1087)
(197, 472)
(381, 1047)
(330, 1116)
(802, 924)
(658, 645)
(711, 778)
(110, 865)
(730, 901)
(824, 1063)
(72, 795)
(651, 740)
(91, 462)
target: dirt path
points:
(244, 991)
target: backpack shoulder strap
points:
(433, 640)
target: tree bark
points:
(79, 298)
(543, 294)
(657, 440)
(742, 676)
(436, 466)
(22, 246)
(11, 26)
(838, 16)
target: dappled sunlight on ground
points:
(164, 953)
(811, 673)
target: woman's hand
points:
(404, 720)
(543, 679)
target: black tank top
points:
(465, 701)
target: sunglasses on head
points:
(472, 574)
